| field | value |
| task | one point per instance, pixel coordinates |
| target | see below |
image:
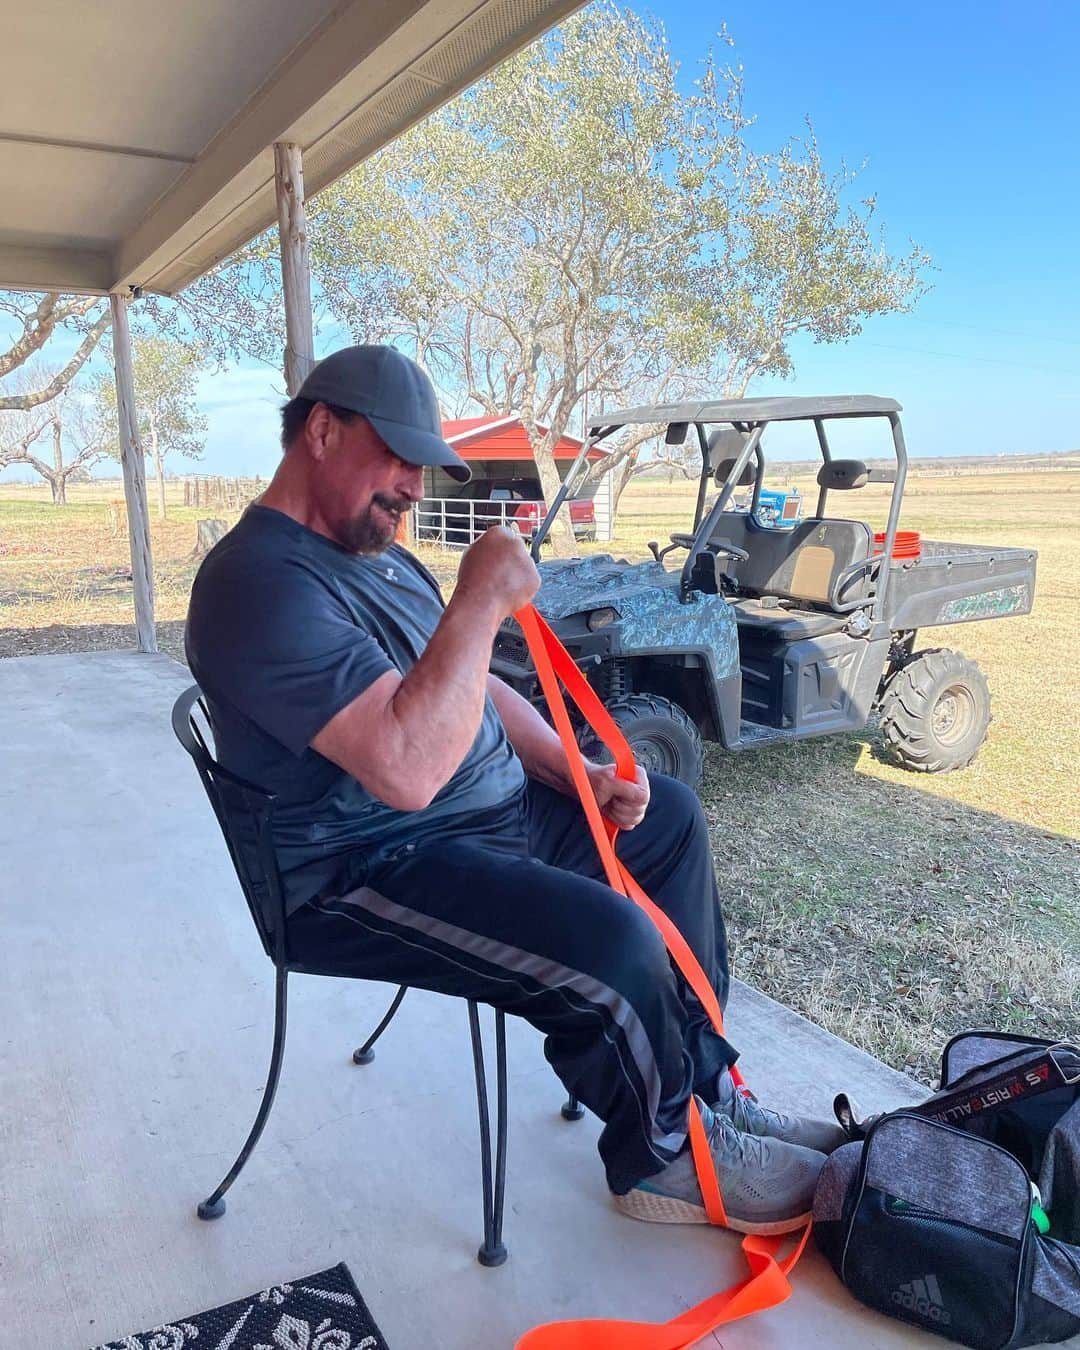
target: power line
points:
(980, 360)
(998, 332)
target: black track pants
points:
(518, 916)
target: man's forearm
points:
(404, 737)
(437, 708)
(536, 743)
(623, 802)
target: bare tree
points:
(233, 310)
(236, 309)
(77, 440)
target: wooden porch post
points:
(131, 458)
(295, 268)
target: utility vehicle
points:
(747, 633)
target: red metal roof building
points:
(498, 449)
(503, 438)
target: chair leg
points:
(572, 1109)
(214, 1206)
(501, 1125)
(366, 1053)
(493, 1251)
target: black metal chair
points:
(244, 811)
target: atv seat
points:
(799, 566)
(789, 625)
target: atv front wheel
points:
(662, 735)
(935, 712)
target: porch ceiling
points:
(136, 136)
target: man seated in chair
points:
(426, 822)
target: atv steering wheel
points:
(714, 546)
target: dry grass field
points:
(897, 908)
(892, 908)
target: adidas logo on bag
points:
(923, 1297)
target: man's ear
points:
(317, 431)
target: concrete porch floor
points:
(136, 1017)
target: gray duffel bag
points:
(961, 1215)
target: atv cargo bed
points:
(957, 583)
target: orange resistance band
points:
(767, 1285)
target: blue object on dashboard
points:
(779, 510)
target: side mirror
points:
(676, 433)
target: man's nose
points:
(411, 482)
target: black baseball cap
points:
(395, 396)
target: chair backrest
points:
(800, 564)
(244, 813)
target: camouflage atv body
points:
(667, 671)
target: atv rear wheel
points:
(935, 712)
(662, 735)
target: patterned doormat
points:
(319, 1312)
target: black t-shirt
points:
(284, 630)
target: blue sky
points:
(966, 118)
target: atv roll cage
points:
(749, 417)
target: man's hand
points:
(622, 802)
(544, 758)
(496, 570)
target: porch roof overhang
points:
(136, 136)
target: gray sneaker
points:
(767, 1186)
(751, 1117)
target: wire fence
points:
(232, 494)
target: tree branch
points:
(21, 402)
(38, 326)
(17, 453)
